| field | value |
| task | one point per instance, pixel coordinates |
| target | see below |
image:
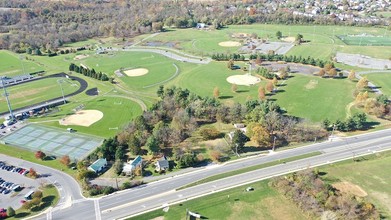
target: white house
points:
(130, 166)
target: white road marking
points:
(97, 210)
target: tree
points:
(261, 93)
(27, 205)
(40, 155)
(278, 34)
(37, 194)
(260, 136)
(10, 211)
(238, 141)
(362, 83)
(215, 155)
(230, 64)
(270, 86)
(134, 144)
(234, 87)
(152, 145)
(275, 81)
(118, 165)
(332, 73)
(352, 75)
(209, 133)
(216, 92)
(328, 67)
(33, 173)
(65, 160)
(321, 72)
(299, 38)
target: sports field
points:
(13, 64)
(382, 80)
(316, 98)
(37, 91)
(365, 40)
(52, 141)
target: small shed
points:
(162, 164)
(99, 165)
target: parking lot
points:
(9, 181)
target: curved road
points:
(154, 195)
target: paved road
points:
(155, 194)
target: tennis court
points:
(53, 141)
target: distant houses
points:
(98, 166)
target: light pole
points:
(60, 81)
(274, 142)
(6, 97)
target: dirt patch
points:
(244, 80)
(158, 218)
(136, 72)
(240, 35)
(311, 84)
(81, 56)
(288, 39)
(83, 118)
(350, 188)
(230, 44)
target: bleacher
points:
(15, 79)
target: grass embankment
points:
(262, 203)
(266, 203)
(382, 80)
(30, 156)
(50, 198)
(252, 168)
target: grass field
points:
(323, 42)
(371, 175)
(11, 64)
(262, 203)
(363, 40)
(382, 80)
(316, 98)
(36, 91)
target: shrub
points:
(209, 133)
(10, 211)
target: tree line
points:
(88, 72)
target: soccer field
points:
(365, 40)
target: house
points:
(130, 166)
(162, 164)
(201, 26)
(98, 166)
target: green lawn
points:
(262, 203)
(372, 175)
(14, 64)
(118, 111)
(382, 80)
(36, 91)
(316, 98)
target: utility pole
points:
(60, 81)
(274, 143)
(8, 101)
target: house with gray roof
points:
(162, 164)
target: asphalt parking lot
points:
(14, 198)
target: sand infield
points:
(230, 44)
(288, 39)
(136, 72)
(81, 56)
(83, 118)
(243, 80)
